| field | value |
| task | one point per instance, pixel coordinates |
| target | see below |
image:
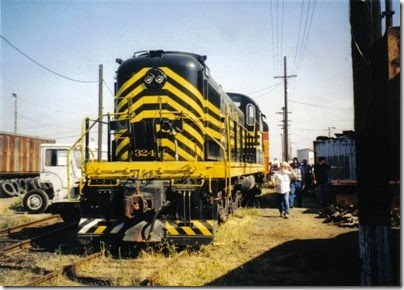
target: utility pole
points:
(15, 113)
(285, 116)
(329, 131)
(388, 14)
(284, 155)
(100, 94)
(372, 116)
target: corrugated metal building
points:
(340, 152)
(20, 154)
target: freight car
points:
(19, 162)
(182, 154)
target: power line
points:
(47, 108)
(319, 106)
(44, 67)
(307, 36)
(45, 124)
(112, 94)
(260, 90)
(264, 94)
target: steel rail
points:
(15, 229)
(69, 270)
(149, 281)
(26, 244)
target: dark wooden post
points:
(372, 132)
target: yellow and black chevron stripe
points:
(196, 228)
(97, 227)
(135, 101)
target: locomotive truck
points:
(182, 154)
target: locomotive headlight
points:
(155, 79)
(160, 79)
(149, 78)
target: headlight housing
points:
(155, 79)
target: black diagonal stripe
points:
(130, 88)
(125, 149)
(207, 225)
(180, 87)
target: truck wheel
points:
(7, 189)
(34, 183)
(23, 185)
(36, 201)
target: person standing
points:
(306, 170)
(320, 179)
(281, 182)
(296, 184)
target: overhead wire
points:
(40, 106)
(307, 38)
(42, 66)
(105, 83)
(298, 35)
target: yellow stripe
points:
(181, 152)
(202, 228)
(185, 98)
(211, 222)
(183, 82)
(191, 88)
(132, 80)
(188, 231)
(132, 94)
(171, 230)
(100, 229)
(122, 144)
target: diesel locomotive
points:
(182, 154)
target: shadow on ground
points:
(317, 262)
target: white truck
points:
(58, 180)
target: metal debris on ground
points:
(347, 216)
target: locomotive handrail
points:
(80, 140)
(214, 139)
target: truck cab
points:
(58, 179)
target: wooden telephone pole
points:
(285, 115)
(100, 105)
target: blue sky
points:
(244, 41)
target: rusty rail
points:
(69, 270)
(7, 231)
(149, 281)
(26, 244)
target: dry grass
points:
(193, 268)
(216, 259)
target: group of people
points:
(293, 180)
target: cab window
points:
(250, 115)
(56, 157)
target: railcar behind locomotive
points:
(182, 154)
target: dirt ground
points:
(299, 251)
(302, 250)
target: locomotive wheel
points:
(236, 203)
(223, 210)
(36, 201)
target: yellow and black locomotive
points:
(182, 154)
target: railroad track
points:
(68, 270)
(26, 248)
(23, 237)
(22, 253)
(51, 219)
(82, 272)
